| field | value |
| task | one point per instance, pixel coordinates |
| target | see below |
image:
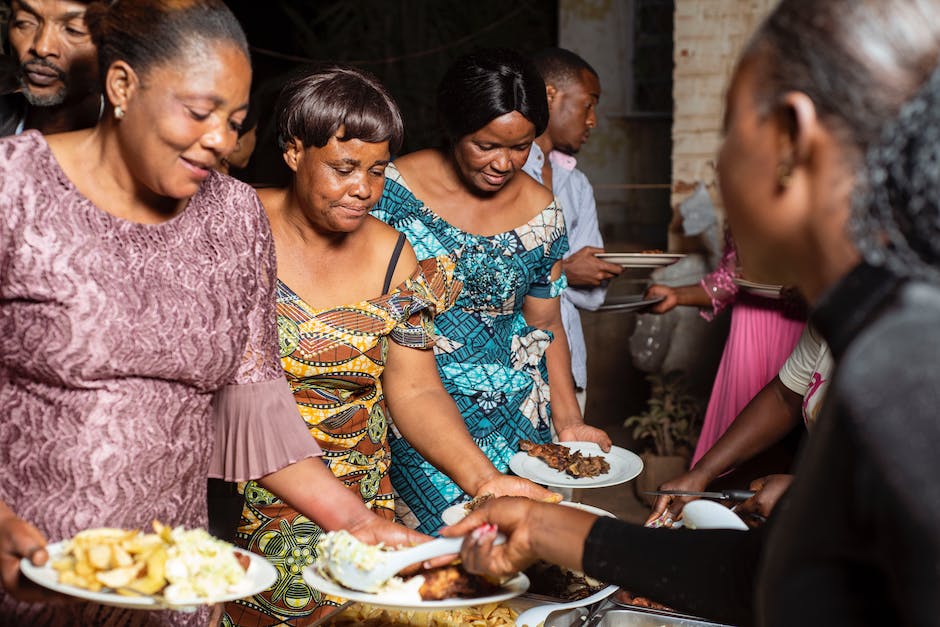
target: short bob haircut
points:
(482, 86)
(315, 105)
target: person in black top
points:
(829, 172)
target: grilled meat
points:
(562, 458)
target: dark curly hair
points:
(897, 211)
(868, 64)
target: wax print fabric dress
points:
(489, 359)
(334, 359)
(136, 360)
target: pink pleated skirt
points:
(761, 338)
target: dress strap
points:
(393, 263)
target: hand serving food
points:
(357, 571)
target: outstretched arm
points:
(545, 313)
(770, 415)
(428, 418)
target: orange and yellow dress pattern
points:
(334, 359)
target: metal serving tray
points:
(649, 618)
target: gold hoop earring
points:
(118, 112)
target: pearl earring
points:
(119, 112)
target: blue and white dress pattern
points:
(489, 359)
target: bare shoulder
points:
(419, 162)
(382, 238)
(378, 234)
(532, 193)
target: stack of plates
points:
(640, 260)
(759, 289)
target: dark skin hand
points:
(554, 533)
(688, 295)
(19, 539)
(769, 490)
(770, 415)
(584, 269)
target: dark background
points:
(407, 44)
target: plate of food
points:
(455, 513)
(170, 568)
(575, 464)
(438, 588)
(646, 259)
(630, 303)
(760, 289)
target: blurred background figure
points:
(58, 68)
(762, 335)
(573, 89)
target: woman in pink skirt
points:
(763, 333)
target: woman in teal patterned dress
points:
(502, 346)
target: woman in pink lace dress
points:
(762, 335)
(138, 351)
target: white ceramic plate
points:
(455, 513)
(624, 465)
(260, 575)
(640, 260)
(512, 588)
(631, 304)
(760, 289)
(703, 514)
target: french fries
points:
(133, 563)
(128, 562)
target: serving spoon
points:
(390, 563)
(537, 615)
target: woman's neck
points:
(289, 220)
(97, 157)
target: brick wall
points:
(708, 36)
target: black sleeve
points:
(890, 399)
(708, 573)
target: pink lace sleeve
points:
(260, 360)
(720, 285)
(258, 427)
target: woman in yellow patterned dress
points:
(355, 311)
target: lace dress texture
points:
(490, 360)
(128, 351)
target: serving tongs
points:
(719, 495)
(537, 615)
